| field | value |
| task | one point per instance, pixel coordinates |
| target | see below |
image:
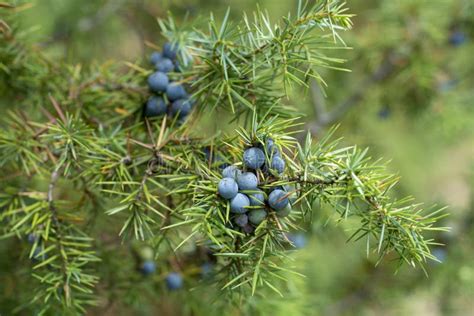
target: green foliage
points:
(410, 69)
(74, 146)
(241, 66)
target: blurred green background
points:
(409, 97)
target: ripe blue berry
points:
(440, 254)
(155, 57)
(269, 143)
(32, 238)
(206, 269)
(37, 256)
(284, 212)
(207, 152)
(231, 172)
(254, 158)
(298, 240)
(278, 199)
(384, 113)
(164, 65)
(148, 267)
(256, 198)
(175, 91)
(447, 85)
(158, 82)
(227, 188)
(213, 157)
(457, 38)
(247, 181)
(248, 229)
(290, 190)
(241, 220)
(221, 162)
(278, 164)
(272, 149)
(182, 106)
(174, 281)
(239, 203)
(155, 106)
(170, 50)
(257, 216)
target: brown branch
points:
(57, 107)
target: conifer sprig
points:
(323, 173)
(237, 63)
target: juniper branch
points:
(163, 176)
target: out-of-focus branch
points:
(325, 117)
(109, 8)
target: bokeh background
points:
(409, 97)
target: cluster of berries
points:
(174, 280)
(168, 97)
(249, 204)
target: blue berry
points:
(457, 38)
(269, 143)
(278, 164)
(298, 240)
(256, 198)
(447, 85)
(174, 281)
(439, 254)
(222, 164)
(155, 57)
(213, 156)
(284, 212)
(32, 238)
(181, 107)
(247, 181)
(148, 267)
(165, 65)
(206, 269)
(257, 216)
(227, 188)
(384, 113)
(207, 152)
(231, 172)
(290, 190)
(158, 82)
(170, 50)
(175, 91)
(272, 149)
(239, 203)
(248, 229)
(37, 256)
(241, 220)
(254, 158)
(155, 106)
(278, 199)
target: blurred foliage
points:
(420, 114)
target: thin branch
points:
(57, 107)
(325, 118)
